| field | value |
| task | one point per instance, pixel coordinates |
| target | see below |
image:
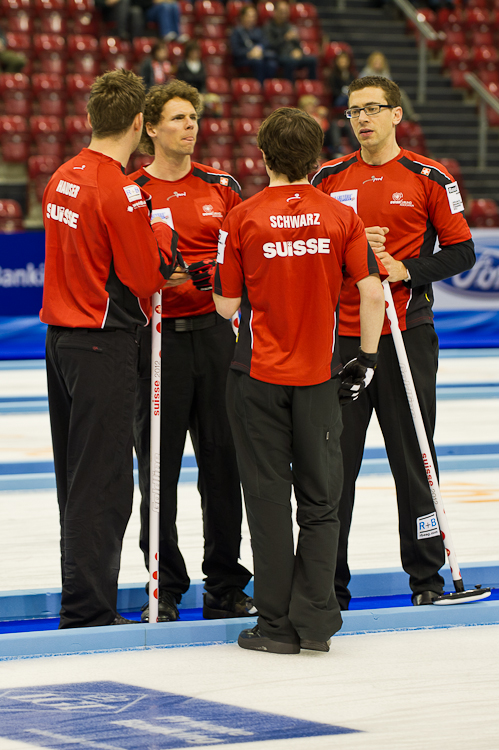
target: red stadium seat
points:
(186, 9)
(15, 94)
(457, 76)
(116, 53)
(220, 86)
(78, 88)
(304, 13)
(40, 170)
(455, 36)
(246, 128)
(48, 135)
(11, 216)
(232, 9)
(80, 6)
(83, 50)
(175, 52)
(215, 130)
(265, 11)
(12, 7)
(249, 150)
(18, 42)
(217, 69)
(43, 7)
(137, 161)
(212, 8)
(483, 212)
(475, 17)
(219, 150)
(455, 56)
(489, 76)
(213, 31)
(333, 49)
(247, 167)
(312, 48)
(142, 46)
(305, 86)
(411, 136)
(85, 23)
(309, 33)
(20, 22)
(44, 82)
(225, 165)
(246, 90)
(279, 92)
(49, 91)
(480, 38)
(14, 138)
(53, 23)
(216, 48)
(484, 58)
(78, 132)
(249, 109)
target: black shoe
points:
(167, 609)
(120, 620)
(315, 645)
(424, 597)
(234, 603)
(254, 640)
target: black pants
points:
(288, 436)
(194, 368)
(423, 558)
(91, 387)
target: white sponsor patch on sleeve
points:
(132, 193)
(427, 526)
(222, 238)
(348, 197)
(456, 204)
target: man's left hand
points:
(396, 270)
(201, 274)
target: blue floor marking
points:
(112, 715)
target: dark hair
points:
(115, 99)
(156, 98)
(158, 44)
(245, 8)
(189, 46)
(390, 88)
(291, 141)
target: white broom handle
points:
(424, 445)
(155, 464)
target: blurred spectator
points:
(283, 39)
(156, 68)
(377, 65)
(310, 104)
(250, 48)
(212, 105)
(342, 76)
(127, 19)
(10, 61)
(191, 68)
(166, 15)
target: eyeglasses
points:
(371, 109)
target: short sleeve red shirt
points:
(195, 206)
(284, 252)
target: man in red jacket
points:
(405, 200)
(197, 347)
(102, 265)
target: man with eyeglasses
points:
(405, 201)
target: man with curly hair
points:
(197, 347)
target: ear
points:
(397, 115)
(89, 120)
(138, 121)
(150, 130)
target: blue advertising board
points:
(466, 306)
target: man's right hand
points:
(376, 237)
(179, 276)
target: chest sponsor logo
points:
(222, 239)
(348, 197)
(398, 200)
(68, 188)
(62, 214)
(372, 178)
(299, 247)
(133, 193)
(176, 195)
(208, 210)
(456, 204)
(83, 167)
(288, 221)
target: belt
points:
(195, 323)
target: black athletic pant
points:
(421, 558)
(288, 436)
(194, 366)
(91, 387)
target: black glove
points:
(356, 375)
(201, 274)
